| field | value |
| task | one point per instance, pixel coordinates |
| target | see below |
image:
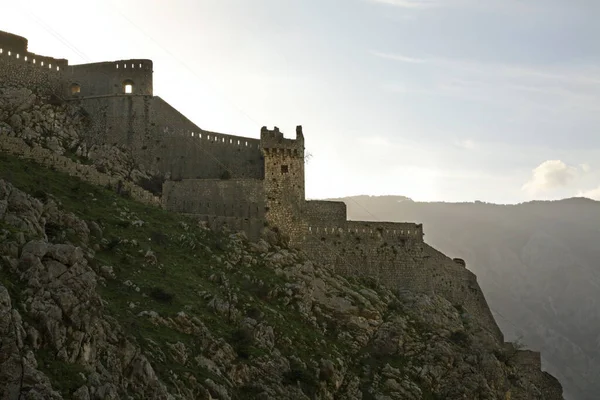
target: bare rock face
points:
(60, 296)
(19, 375)
(387, 346)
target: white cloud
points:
(591, 194)
(550, 174)
(585, 167)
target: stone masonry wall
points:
(284, 181)
(163, 140)
(390, 253)
(316, 211)
(119, 120)
(531, 363)
(458, 285)
(109, 78)
(242, 198)
(188, 152)
(19, 67)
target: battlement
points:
(122, 77)
(216, 137)
(18, 66)
(13, 49)
(379, 230)
(273, 141)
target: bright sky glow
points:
(449, 100)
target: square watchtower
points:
(284, 177)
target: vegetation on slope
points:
(216, 314)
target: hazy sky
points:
(454, 100)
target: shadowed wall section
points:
(237, 204)
(453, 281)
(390, 253)
(111, 78)
(19, 67)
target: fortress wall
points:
(108, 78)
(120, 120)
(551, 387)
(459, 286)
(22, 68)
(317, 211)
(14, 42)
(388, 229)
(393, 259)
(188, 152)
(164, 140)
(240, 198)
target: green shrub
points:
(159, 294)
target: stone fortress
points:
(245, 183)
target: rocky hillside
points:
(105, 297)
(537, 264)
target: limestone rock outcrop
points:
(300, 331)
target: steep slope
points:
(102, 296)
(537, 264)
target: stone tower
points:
(284, 179)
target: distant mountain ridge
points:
(537, 262)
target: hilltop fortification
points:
(239, 182)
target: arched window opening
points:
(128, 86)
(75, 89)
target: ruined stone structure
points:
(240, 182)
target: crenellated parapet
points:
(14, 49)
(273, 141)
(123, 77)
(383, 230)
(20, 67)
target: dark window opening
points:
(284, 169)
